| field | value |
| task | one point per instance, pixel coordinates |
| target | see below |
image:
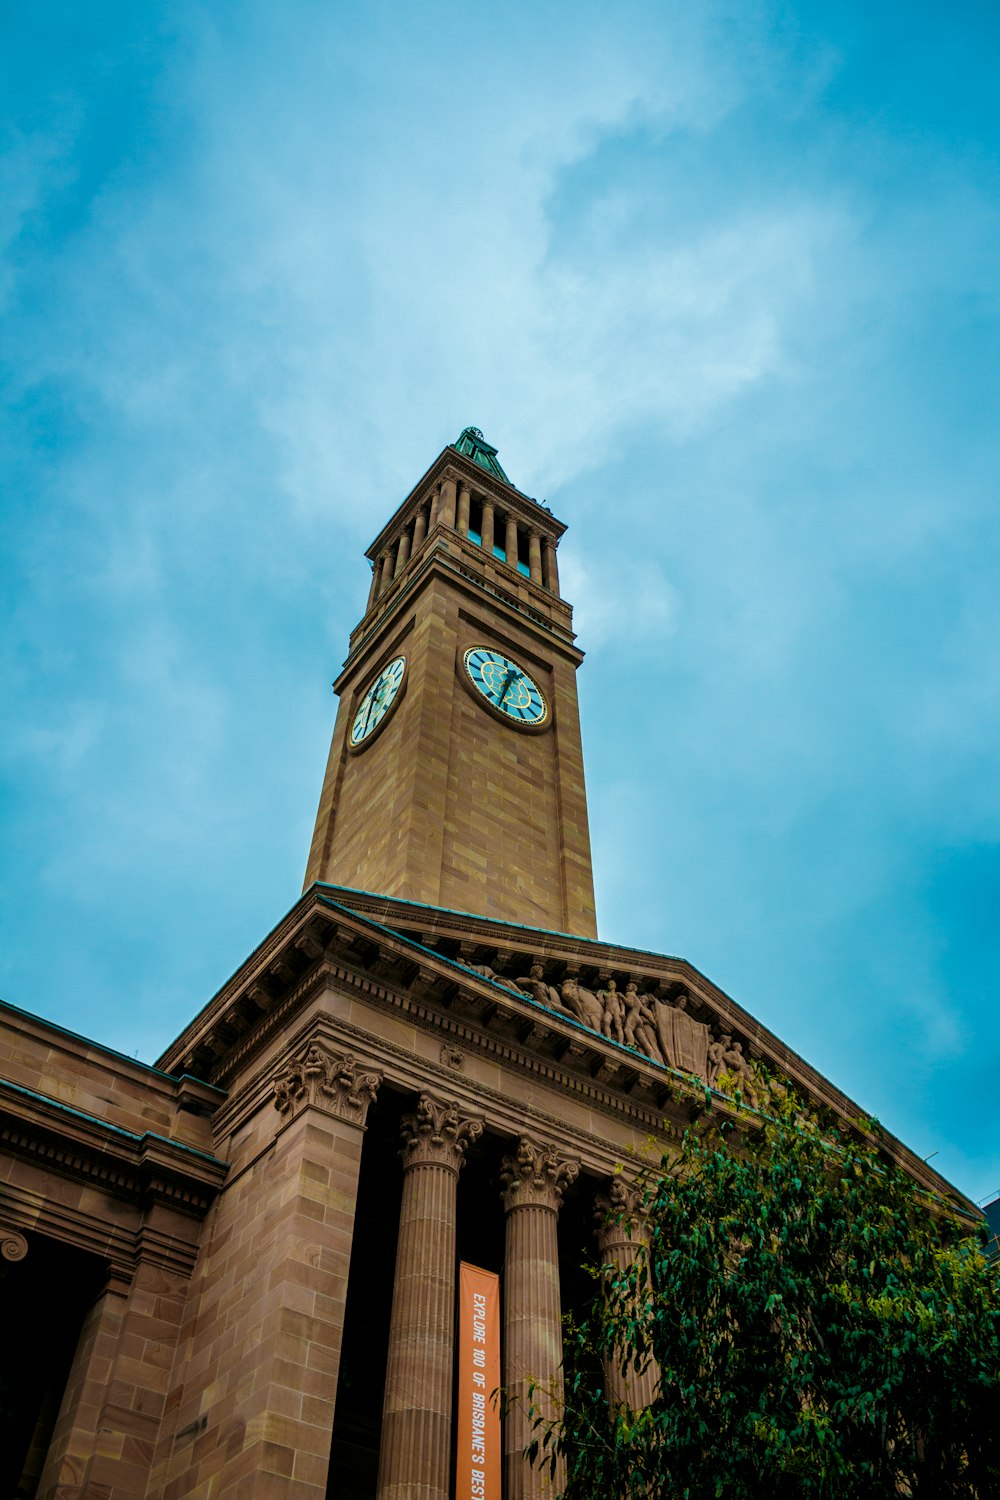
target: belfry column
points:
(535, 557)
(416, 1422)
(446, 514)
(551, 568)
(511, 542)
(464, 505)
(403, 555)
(488, 525)
(534, 1180)
(621, 1234)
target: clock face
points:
(506, 687)
(377, 701)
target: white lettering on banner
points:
(478, 1431)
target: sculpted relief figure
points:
(664, 1031)
(545, 994)
(716, 1056)
(613, 1017)
(739, 1066)
(725, 1056)
(583, 1004)
(645, 1032)
(683, 1040)
(639, 1024)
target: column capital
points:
(335, 1082)
(13, 1245)
(621, 1214)
(535, 1176)
(438, 1133)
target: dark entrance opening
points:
(43, 1299)
(357, 1421)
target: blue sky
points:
(720, 282)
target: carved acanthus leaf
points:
(621, 1213)
(333, 1081)
(437, 1132)
(536, 1176)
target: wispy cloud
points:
(722, 285)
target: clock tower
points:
(455, 777)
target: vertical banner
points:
(477, 1471)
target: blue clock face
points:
(377, 701)
(506, 687)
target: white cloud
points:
(620, 600)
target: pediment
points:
(464, 976)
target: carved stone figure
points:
(583, 1004)
(735, 1063)
(716, 1061)
(613, 1017)
(632, 1007)
(683, 1040)
(639, 1026)
(545, 994)
(645, 1032)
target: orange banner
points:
(477, 1471)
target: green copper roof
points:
(478, 449)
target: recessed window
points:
(476, 521)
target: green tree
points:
(821, 1326)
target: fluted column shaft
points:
(416, 1422)
(621, 1234)
(534, 1180)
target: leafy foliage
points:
(821, 1327)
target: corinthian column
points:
(534, 1180)
(416, 1421)
(621, 1233)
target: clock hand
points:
(372, 702)
(507, 682)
